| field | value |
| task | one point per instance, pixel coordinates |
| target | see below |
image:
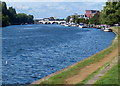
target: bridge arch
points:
(50, 22)
(54, 22)
(40, 22)
(62, 23)
(47, 23)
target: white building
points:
(82, 16)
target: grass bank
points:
(94, 73)
(116, 31)
(71, 71)
(111, 77)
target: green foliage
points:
(68, 19)
(23, 18)
(95, 19)
(10, 17)
(4, 9)
(110, 13)
(76, 20)
(12, 10)
(5, 21)
(82, 20)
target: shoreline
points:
(65, 69)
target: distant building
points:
(90, 13)
(49, 19)
(46, 19)
(82, 16)
(52, 19)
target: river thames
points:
(31, 52)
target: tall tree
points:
(12, 15)
(4, 9)
(111, 13)
(75, 18)
(68, 19)
(95, 19)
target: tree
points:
(23, 18)
(95, 19)
(111, 13)
(5, 21)
(12, 15)
(78, 21)
(68, 19)
(30, 19)
(4, 9)
(75, 18)
(12, 10)
(5, 18)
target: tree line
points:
(76, 19)
(110, 15)
(10, 17)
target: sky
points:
(59, 9)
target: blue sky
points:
(56, 9)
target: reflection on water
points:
(31, 52)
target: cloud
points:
(57, 9)
(23, 7)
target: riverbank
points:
(105, 74)
(61, 77)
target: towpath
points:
(86, 71)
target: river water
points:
(31, 52)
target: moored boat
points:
(81, 25)
(106, 29)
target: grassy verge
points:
(94, 73)
(111, 77)
(59, 78)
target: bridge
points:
(49, 22)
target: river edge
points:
(65, 69)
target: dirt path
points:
(101, 73)
(86, 71)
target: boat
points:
(98, 26)
(67, 25)
(81, 25)
(107, 29)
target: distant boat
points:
(66, 25)
(81, 25)
(107, 29)
(98, 26)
